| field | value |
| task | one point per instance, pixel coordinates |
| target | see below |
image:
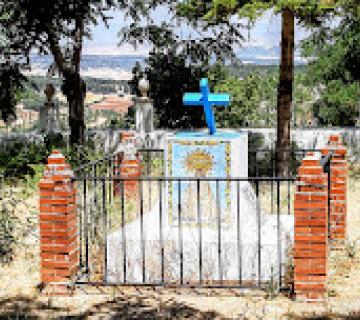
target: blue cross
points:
(207, 100)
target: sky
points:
(265, 33)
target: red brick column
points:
(59, 240)
(127, 167)
(125, 135)
(130, 168)
(310, 233)
(338, 190)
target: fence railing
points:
(262, 162)
(214, 232)
(198, 232)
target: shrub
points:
(7, 225)
(17, 156)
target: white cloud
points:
(123, 50)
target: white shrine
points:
(201, 230)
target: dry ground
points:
(19, 296)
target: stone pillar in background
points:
(338, 191)
(49, 112)
(59, 232)
(310, 233)
(144, 113)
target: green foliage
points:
(12, 82)
(170, 77)
(30, 97)
(252, 99)
(116, 123)
(17, 157)
(272, 287)
(338, 105)
(220, 10)
(7, 225)
(59, 28)
(129, 119)
(335, 71)
(13, 228)
(176, 64)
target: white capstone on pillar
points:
(144, 111)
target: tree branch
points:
(56, 51)
(78, 42)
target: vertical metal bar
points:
(200, 230)
(142, 228)
(104, 227)
(288, 196)
(256, 164)
(272, 195)
(219, 230)
(239, 233)
(273, 159)
(259, 230)
(161, 231)
(180, 235)
(329, 197)
(122, 194)
(148, 162)
(94, 215)
(279, 235)
(86, 225)
(150, 183)
(110, 180)
(81, 227)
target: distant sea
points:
(119, 67)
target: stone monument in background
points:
(49, 112)
(144, 118)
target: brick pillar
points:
(338, 190)
(310, 233)
(126, 135)
(127, 167)
(59, 239)
(130, 168)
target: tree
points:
(12, 80)
(306, 10)
(176, 63)
(335, 69)
(252, 100)
(12, 83)
(58, 27)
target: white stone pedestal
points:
(231, 229)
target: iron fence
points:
(198, 232)
(262, 162)
(208, 232)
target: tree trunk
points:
(73, 86)
(74, 89)
(285, 89)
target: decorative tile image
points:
(207, 201)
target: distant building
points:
(116, 104)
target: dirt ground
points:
(20, 298)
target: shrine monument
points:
(201, 154)
(207, 225)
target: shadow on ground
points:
(120, 307)
(126, 306)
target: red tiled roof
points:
(116, 104)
